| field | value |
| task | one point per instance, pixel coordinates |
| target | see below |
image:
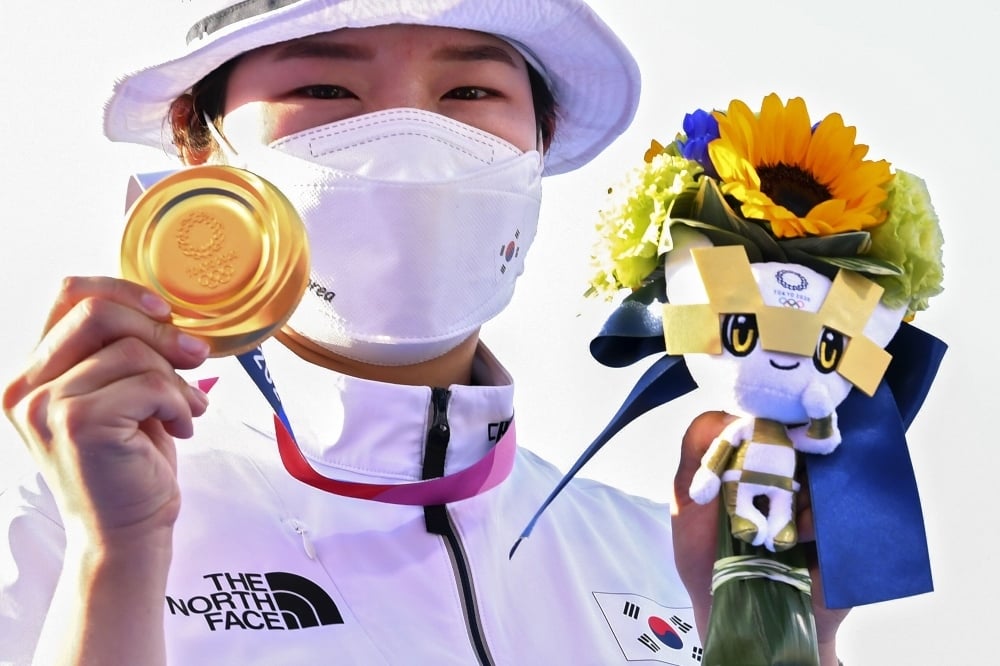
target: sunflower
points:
(804, 181)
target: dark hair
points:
(207, 99)
(206, 102)
(546, 109)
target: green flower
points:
(627, 249)
(910, 238)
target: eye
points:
(469, 93)
(323, 91)
(739, 333)
(829, 350)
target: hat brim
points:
(594, 78)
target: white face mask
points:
(418, 227)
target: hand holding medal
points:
(224, 248)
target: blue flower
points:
(700, 129)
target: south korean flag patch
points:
(649, 632)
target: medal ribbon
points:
(489, 471)
(870, 534)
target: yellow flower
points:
(803, 181)
(655, 148)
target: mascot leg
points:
(747, 522)
(781, 530)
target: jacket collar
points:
(361, 430)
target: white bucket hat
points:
(592, 75)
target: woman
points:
(413, 143)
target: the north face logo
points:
(276, 601)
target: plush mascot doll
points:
(783, 345)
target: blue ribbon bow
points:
(870, 535)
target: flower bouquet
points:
(785, 266)
(785, 190)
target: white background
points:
(917, 79)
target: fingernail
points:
(192, 345)
(199, 395)
(154, 305)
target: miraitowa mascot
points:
(782, 346)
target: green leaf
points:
(707, 210)
(758, 621)
(825, 268)
(848, 244)
(712, 206)
(829, 266)
(865, 265)
(720, 236)
(715, 206)
(654, 289)
(684, 203)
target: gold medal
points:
(225, 248)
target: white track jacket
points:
(268, 570)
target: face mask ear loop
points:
(540, 147)
(227, 154)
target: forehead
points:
(396, 40)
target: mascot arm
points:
(821, 435)
(707, 480)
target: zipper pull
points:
(435, 451)
(440, 430)
(438, 435)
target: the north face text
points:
(275, 601)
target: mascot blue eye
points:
(829, 350)
(739, 333)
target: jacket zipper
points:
(438, 521)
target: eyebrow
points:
(320, 48)
(475, 53)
